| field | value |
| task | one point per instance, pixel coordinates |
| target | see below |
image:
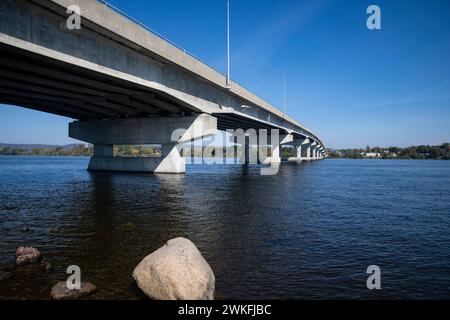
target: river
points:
(309, 232)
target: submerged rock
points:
(176, 271)
(47, 265)
(61, 292)
(128, 226)
(25, 255)
(4, 275)
(9, 208)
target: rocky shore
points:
(176, 271)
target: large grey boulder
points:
(176, 271)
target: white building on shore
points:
(371, 154)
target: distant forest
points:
(78, 150)
(119, 150)
(72, 150)
(441, 152)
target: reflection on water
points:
(308, 232)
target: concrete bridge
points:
(124, 84)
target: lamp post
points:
(228, 45)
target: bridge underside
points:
(52, 86)
(38, 83)
(35, 82)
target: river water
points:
(309, 232)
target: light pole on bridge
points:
(228, 45)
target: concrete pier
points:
(169, 132)
(277, 141)
(299, 145)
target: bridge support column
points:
(316, 153)
(308, 151)
(276, 142)
(299, 146)
(169, 132)
(311, 155)
(247, 140)
(247, 146)
(251, 150)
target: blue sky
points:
(352, 86)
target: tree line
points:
(82, 150)
(77, 150)
(440, 152)
(414, 152)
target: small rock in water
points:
(61, 292)
(127, 227)
(9, 208)
(25, 255)
(4, 275)
(176, 271)
(25, 229)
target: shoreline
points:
(386, 159)
(88, 156)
